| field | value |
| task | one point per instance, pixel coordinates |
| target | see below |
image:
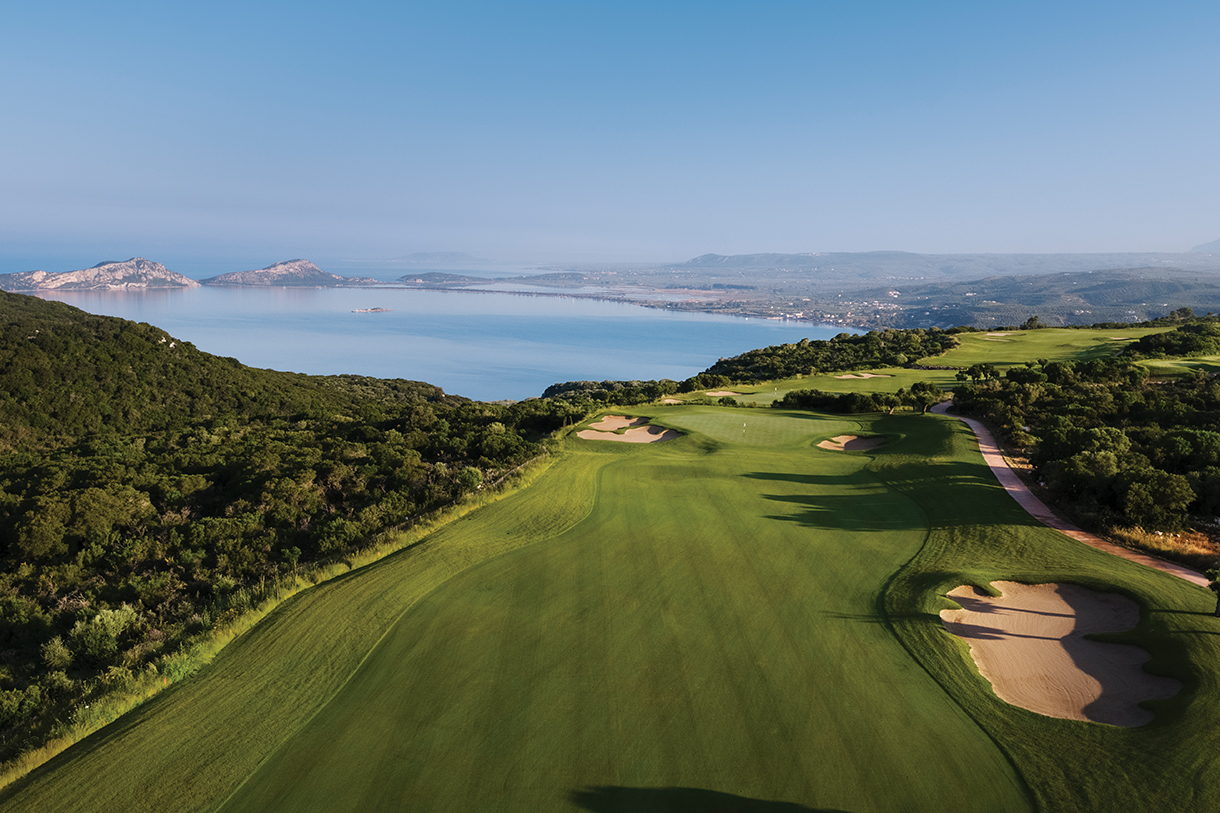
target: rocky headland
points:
(134, 274)
(288, 273)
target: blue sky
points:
(256, 132)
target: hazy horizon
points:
(540, 133)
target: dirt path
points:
(1039, 511)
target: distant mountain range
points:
(1207, 248)
(862, 266)
(134, 274)
(290, 273)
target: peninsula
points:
(290, 273)
(134, 274)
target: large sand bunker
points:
(864, 375)
(721, 393)
(1029, 642)
(850, 443)
(611, 423)
(639, 432)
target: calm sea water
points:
(481, 345)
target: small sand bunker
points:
(671, 401)
(1120, 338)
(999, 334)
(721, 393)
(611, 423)
(864, 375)
(1029, 643)
(850, 443)
(639, 432)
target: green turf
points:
(711, 624)
(1168, 368)
(672, 626)
(892, 378)
(1015, 348)
(1055, 344)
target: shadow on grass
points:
(614, 799)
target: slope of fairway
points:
(711, 625)
(1170, 764)
(753, 428)
(195, 743)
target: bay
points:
(486, 346)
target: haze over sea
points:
(486, 346)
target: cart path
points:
(1039, 511)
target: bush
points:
(56, 655)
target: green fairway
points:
(721, 618)
(1054, 344)
(1167, 368)
(1004, 351)
(888, 379)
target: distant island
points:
(134, 274)
(290, 273)
(441, 278)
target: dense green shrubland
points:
(920, 396)
(1119, 448)
(150, 492)
(878, 348)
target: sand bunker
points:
(721, 393)
(1120, 338)
(610, 423)
(864, 375)
(1030, 644)
(999, 334)
(850, 443)
(671, 401)
(640, 434)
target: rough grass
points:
(672, 624)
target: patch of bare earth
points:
(1030, 644)
(850, 443)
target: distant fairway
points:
(1054, 344)
(671, 627)
(1012, 349)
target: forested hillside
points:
(1119, 449)
(878, 348)
(149, 491)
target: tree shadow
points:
(617, 799)
(846, 512)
